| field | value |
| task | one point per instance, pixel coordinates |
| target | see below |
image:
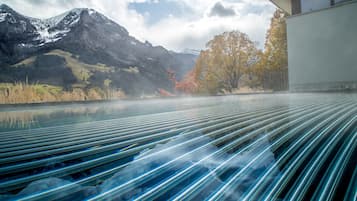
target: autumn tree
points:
(276, 54)
(274, 62)
(228, 57)
(188, 85)
(232, 55)
(256, 71)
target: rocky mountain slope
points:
(83, 48)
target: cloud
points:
(192, 28)
(219, 10)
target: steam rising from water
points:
(150, 159)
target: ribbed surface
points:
(299, 152)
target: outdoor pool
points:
(247, 147)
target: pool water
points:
(248, 147)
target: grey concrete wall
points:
(322, 49)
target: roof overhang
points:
(285, 5)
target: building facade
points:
(322, 44)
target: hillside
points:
(84, 49)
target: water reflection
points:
(18, 119)
(52, 115)
(26, 117)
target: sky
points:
(175, 24)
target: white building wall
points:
(322, 49)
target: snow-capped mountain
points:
(38, 32)
(92, 40)
(47, 27)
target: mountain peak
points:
(99, 46)
(74, 15)
(91, 12)
(7, 9)
(80, 10)
(68, 18)
(4, 7)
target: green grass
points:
(24, 92)
(25, 62)
(80, 70)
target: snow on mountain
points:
(48, 28)
(55, 28)
(36, 32)
(43, 28)
(94, 39)
(3, 16)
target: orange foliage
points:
(165, 93)
(188, 85)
